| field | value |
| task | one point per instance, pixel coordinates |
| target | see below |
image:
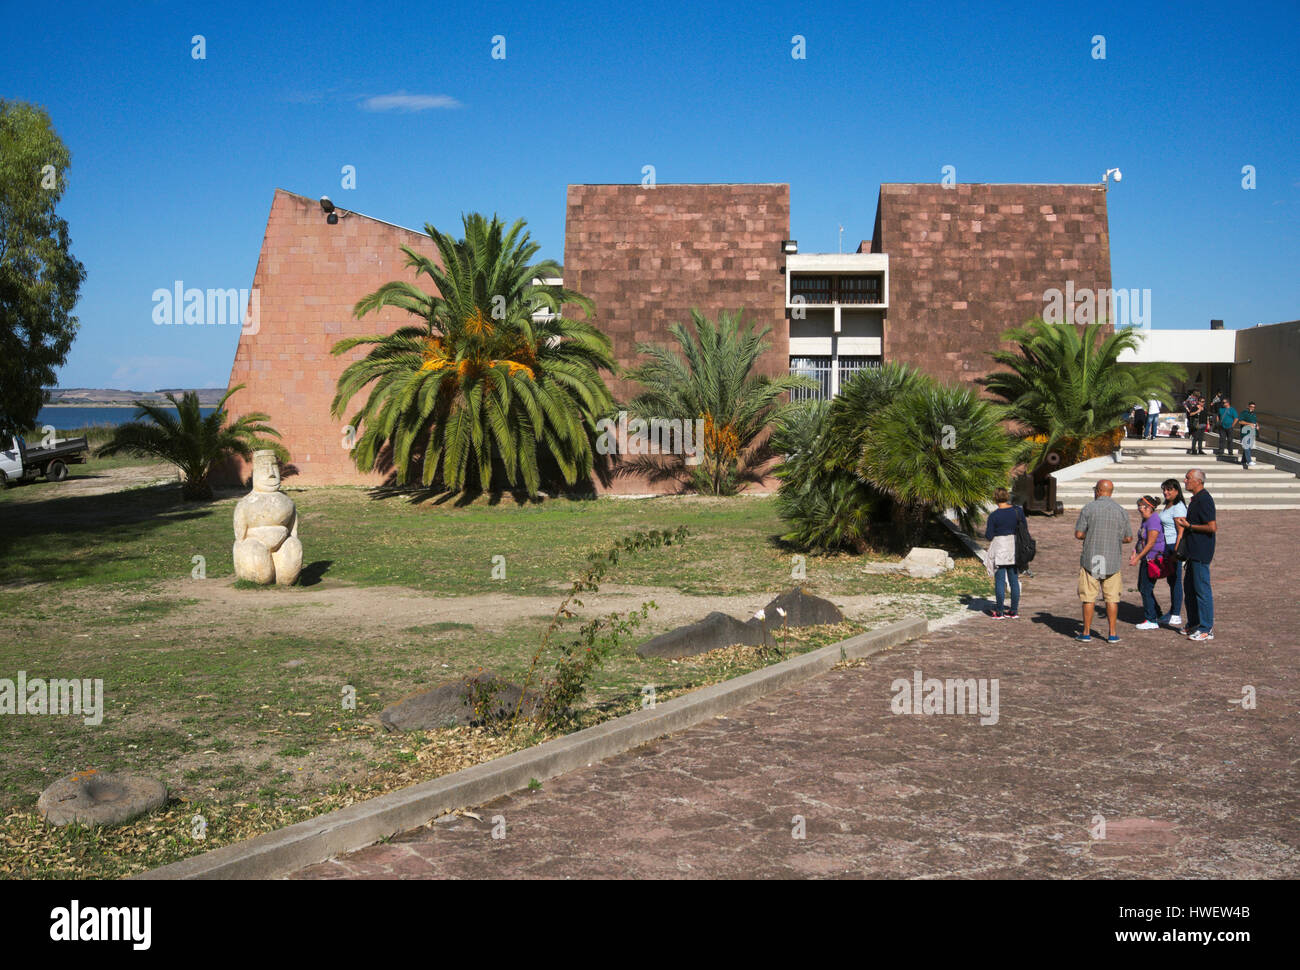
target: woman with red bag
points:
(1149, 557)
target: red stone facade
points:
(967, 262)
(309, 276)
(647, 256)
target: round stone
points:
(95, 797)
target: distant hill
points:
(100, 396)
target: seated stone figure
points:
(267, 549)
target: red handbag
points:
(1156, 568)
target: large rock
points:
(801, 609)
(94, 797)
(714, 631)
(447, 705)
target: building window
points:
(859, 289)
(848, 366)
(819, 369)
(813, 289)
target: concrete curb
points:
(315, 840)
(1080, 469)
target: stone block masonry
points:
(310, 274)
(969, 261)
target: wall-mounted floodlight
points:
(1112, 171)
(789, 246)
(327, 207)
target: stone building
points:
(947, 270)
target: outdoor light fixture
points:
(327, 207)
(1112, 171)
(789, 246)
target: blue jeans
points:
(1245, 452)
(1176, 588)
(1151, 424)
(1200, 598)
(1147, 587)
(1000, 579)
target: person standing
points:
(1148, 556)
(1001, 533)
(1200, 530)
(1175, 507)
(1248, 421)
(1196, 422)
(1227, 421)
(1103, 526)
(1153, 418)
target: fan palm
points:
(711, 380)
(190, 441)
(480, 384)
(933, 448)
(827, 506)
(1066, 382)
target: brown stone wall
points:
(309, 276)
(967, 262)
(647, 256)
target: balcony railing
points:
(827, 290)
(821, 370)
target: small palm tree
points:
(936, 447)
(711, 380)
(190, 441)
(1064, 382)
(479, 385)
(827, 506)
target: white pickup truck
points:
(18, 461)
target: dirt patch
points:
(343, 609)
(84, 480)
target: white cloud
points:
(401, 101)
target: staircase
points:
(1146, 464)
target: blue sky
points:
(175, 159)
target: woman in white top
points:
(1175, 507)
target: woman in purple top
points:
(1150, 549)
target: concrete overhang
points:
(1184, 347)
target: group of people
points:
(1220, 415)
(1175, 542)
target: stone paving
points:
(1144, 734)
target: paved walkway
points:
(1143, 734)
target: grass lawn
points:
(233, 697)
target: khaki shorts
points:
(1089, 586)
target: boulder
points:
(447, 705)
(801, 609)
(94, 797)
(714, 631)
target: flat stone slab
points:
(714, 631)
(919, 563)
(94, 797)
(447, 705)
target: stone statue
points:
(267, 549)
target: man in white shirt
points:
(1153, 415)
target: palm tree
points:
(936, 447)
(711, 381)
(190, 441)
(1064, 382)
(480, 384)
(895, 444)
(827, 506)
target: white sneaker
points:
(1148, 625)
(1174, 620)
